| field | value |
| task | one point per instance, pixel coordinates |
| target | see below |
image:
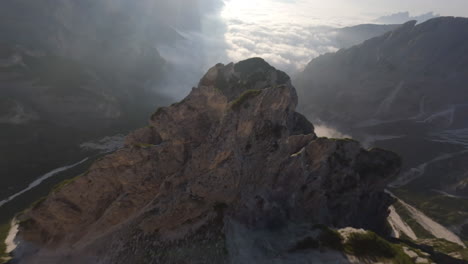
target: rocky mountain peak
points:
(252, 74)
(218, 176)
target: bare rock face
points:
(231, 160)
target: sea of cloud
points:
(286, 33)
(290, 33)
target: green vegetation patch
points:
(244, 97)
(38, 202)
(368, 245)
(64, 183)
(330, 238)
(447, 247)
(143, 145)
(443, 209)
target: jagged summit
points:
(231, 174)
(234, 79)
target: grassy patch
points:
(244, 97)
(327, 238)
(330, 238)
(38, 202)
(464, 253)
(442, 246)
(446, 210)
(445, 246)
(369, 245)
(143, 145)
(62, 184)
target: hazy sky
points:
(351, 9)
(289, 33)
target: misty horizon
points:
(233, 131)
(288, 34)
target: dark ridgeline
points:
(405, 91)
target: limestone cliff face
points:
(231, 160)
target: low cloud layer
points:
(286, 33)
(289, 33)
(288, 46)
(323, 130)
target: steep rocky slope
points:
(404, 91)
(229, 174)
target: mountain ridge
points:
(404, 91)
(224, 158)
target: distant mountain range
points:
(402, 17)
(405, 91)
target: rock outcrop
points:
(229, 174)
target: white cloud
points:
(289, 33)
(287, 46)
(286, 33)
(329, 132)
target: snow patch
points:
(10, 239)
(399, 226)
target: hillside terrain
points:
(404, 91)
